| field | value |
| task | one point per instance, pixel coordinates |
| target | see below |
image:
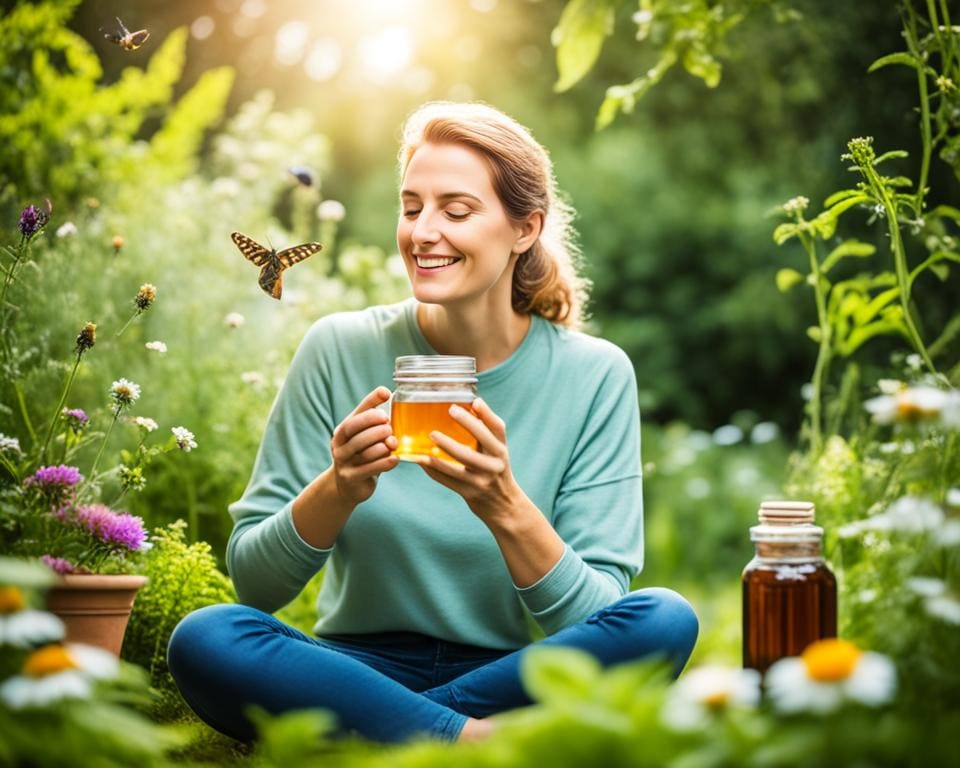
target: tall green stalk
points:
(56, 414)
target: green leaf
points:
(815, 333)
(941, 270)
(894, 58)
(554, 675)
(579, 38)
(945, 210)
(891, 155)
(825, 224)
(785, 231)
(699, 63)
(843, 194)
(851, 247)
(787, 278)
(867, 312)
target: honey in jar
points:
(789, 591)
(427, 385)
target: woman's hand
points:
(361, 447)
(483, 477)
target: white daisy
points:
(234, 319)
(185, 439)
(706, 691)
(124, 392)
(908, 514)
(23, 627)
(9, 444)
(56, 672)
(916, 404)
(145, 423)
(156, 346)
(827, 674)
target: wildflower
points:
(861, 151)
(117, 243)
(331, 210)
(86, 338)
(827, 674)
(76, 418)
(33, 219)
(185, 439)
(132, 479)
(55, 483)
(9, 445)
(156, 346)
(908, 514)
(124, 392)
(706, 691)
(916, 404)
(796, 205)
(952, 498)
(945, 84)
(112, 528)
(21, 626)
(145, 423)
(57, 564)
(234, 319)
(728, 434)
(56, 672)
(764, 432)
(67, 229)
(145, 297)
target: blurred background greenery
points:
(176, 144)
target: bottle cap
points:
(786, 513)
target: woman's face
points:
(453, 233)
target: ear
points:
(528, 231)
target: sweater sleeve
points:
(598, 511)
(267, 559)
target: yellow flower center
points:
(48, 661)
(11, 600)
(716, 700)
(830, 660)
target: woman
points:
(433, 571)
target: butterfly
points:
(126, 39)
(271, 262)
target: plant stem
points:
(126, 325)
(56, 413)
(96, 461)
(13, 268)
(823, 354)
(21, 401)
(924, 109)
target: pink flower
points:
(57, 564)
(115, 528)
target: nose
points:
(425, 231)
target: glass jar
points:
(789, 591)
(427, 385)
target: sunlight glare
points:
(384, 54)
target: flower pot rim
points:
(100, 580)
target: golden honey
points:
(412, 424)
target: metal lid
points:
(442, 368)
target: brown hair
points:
(546, 280)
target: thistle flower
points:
(827, 674)
(145, 297)
(21, 626)
(86, 338)
(145, 423)
(234, 319)
(55, 483)
(9, 445)
(57, 564)
(331, 210)
(124, 393)
(56, 672)
(113, 528)
(76, 418)
(156, 346)
(117, 243)
(185, 439)
(33, 219)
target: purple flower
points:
(55, 482)
(76, 418)
(115, 528)
(57, 564)
(33, 219)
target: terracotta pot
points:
(95, 607)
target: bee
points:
(126, 39)
(272, 262)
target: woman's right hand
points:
(361, 448)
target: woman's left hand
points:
(483, 476)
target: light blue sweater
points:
(414, 557)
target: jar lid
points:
(444, 368)
(786, 512)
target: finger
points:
(467, 456)
(494, 423)
(376, 435)
(377, 397)
(357, 423)
(485, 437)
(373, 468)
(444, 472)
(376, 451)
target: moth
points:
(126, 39)
(272, 262)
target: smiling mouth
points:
(433, 262)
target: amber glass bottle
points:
(789, 591)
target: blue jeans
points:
(393, 686)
